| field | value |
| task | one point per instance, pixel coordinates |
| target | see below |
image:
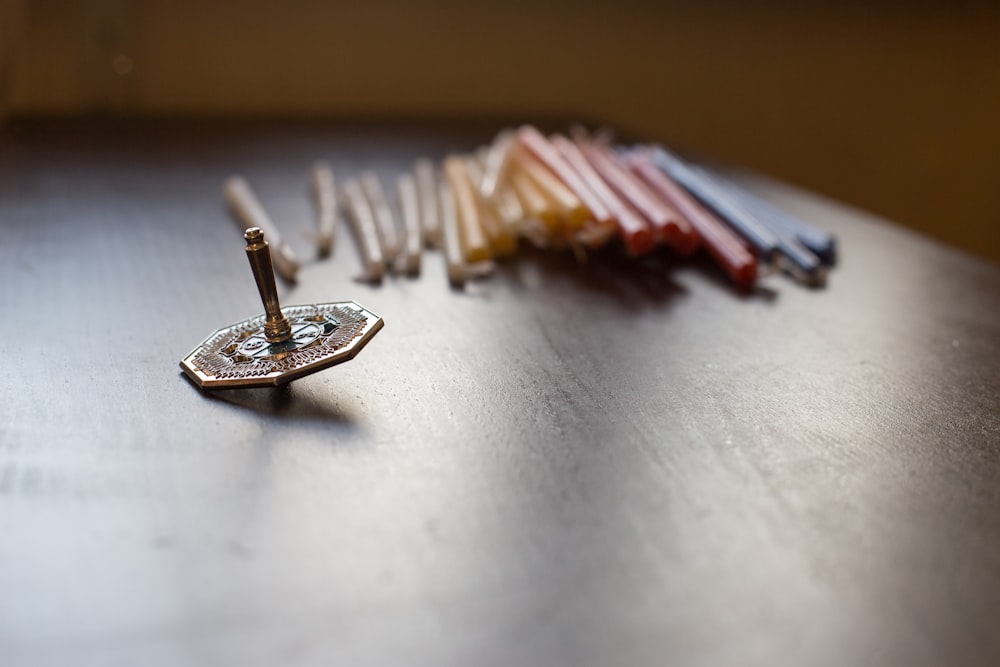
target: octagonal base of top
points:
(323, 335)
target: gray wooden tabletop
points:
(610, 463)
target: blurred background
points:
(891, 106)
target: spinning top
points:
(283, 344)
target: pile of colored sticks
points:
(554, 192)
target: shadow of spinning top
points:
(283, 344)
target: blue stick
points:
(774, 244)
(764, 241)
(820, 242)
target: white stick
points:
(250, 213)
(409, 205)
(428, 196)
(325, 194)
(449, 233)
(495, 163)
(385, 222)
(365, 232)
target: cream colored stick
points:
(385, 221)
(475, 245)
(495, 163)
(250, 213)
(325, 195)
(429, 197)
(457, 271)
(409, 207)
(365, 232)
(501, 240)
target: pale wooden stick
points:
(428, 195)
(325, 194)
(495, 163)
(365, 232)
(385, 222)
(475, 245)
(501, 240)
(250, 213)
(457, 272)
(409, 205)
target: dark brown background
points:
(892, 106)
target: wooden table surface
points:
(603, 464)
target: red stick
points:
(668, 224)
(721, 242)
(535, 142)
(635, 233)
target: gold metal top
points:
(281, 345)
(277, 328)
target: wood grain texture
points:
(568, 464)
